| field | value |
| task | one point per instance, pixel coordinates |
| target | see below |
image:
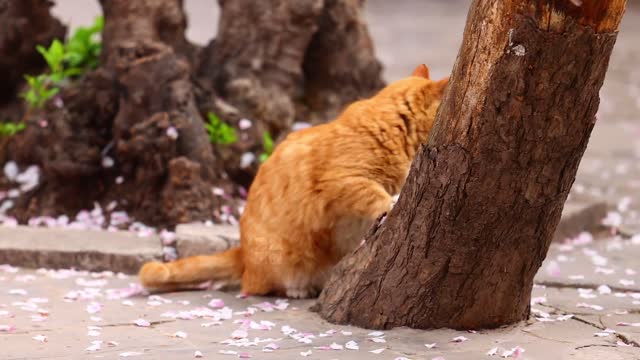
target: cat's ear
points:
(422, 71)
(441, 85)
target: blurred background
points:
(410, 32)
(407, 33)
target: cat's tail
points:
(225, 267)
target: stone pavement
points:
(588, 309)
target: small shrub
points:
(79, 54)
(219, 132)
(40, 90)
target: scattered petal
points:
(197, 354)
(515, 352)
(216, 303)
(270, 347)
(129, 354)
(40, 338)
(377, 351)
(589, 306)
(244, 124)
(142, 323)
(352, 345)
(239, 334)
(94, 347)
(180, 334)
(7, 328)
(604, 290)
(172, 132)
(627, 282)
(459, 339)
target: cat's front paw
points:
(304, 293)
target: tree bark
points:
(477, 214)
(339, 66)
(282, 61)
(123, 111)
(23, 25)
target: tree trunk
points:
(477, 214)
(106, 137)
(122, 112)
(339, 66)
(283, 61)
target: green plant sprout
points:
(219, 132)
(40, 90)
(267, 146)
(83, 48)
(10, 128)
(79, 54)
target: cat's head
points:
(423, 97)
(437, 87)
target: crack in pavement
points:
(561, 285)
(618, 335)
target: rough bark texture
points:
(123, 111)
(339, 66)
(282, 61)
(476, 216)
(23, 25)
(106, 136)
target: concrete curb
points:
(125, 252)
(118, 251)
(199, 239)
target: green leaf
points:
(54, 55)
(219, 132)
(48, 94)
(98, 24)
(73, 72)
(56, 78)
(9, 128)
(267, 142)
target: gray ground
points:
(61, 306)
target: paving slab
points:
(72, 309)
(612, 262)
(82, 249)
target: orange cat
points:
(313, 200)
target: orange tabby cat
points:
(313, 200)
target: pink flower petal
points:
(142, 323)
(40, 338)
